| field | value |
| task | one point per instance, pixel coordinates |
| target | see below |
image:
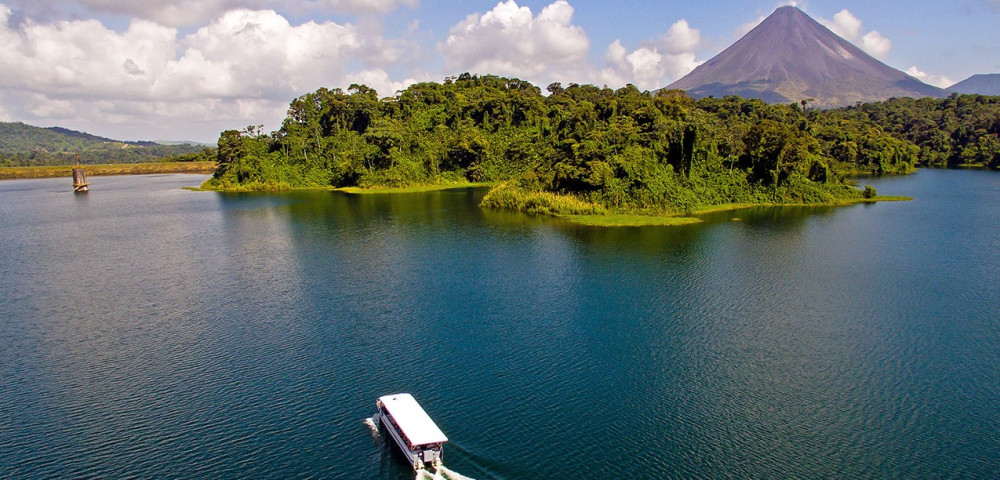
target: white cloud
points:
(242, 68)
(42, 106)
(259, 54)
(875, 44)
(509, 40)
(936, 80)
(182, 13)
(646, 65)
(243, 53)
(81, 57)
(656, 63)
(171, 13)
(846, 25)
(680, 38)
(380, 81)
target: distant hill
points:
(182, 142)
(981, 84)
(26, 145)
(790, 57)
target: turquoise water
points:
(153, 332)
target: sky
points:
(188, 69)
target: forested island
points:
(582, 149)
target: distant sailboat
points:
(80, 184)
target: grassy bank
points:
(634, 220)
(413, 189)
(7, 173)
(629, 220)
(839, 203)
(273, 187)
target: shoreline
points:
(354, 190)
(107, 169)
(595, 220)
(413, 189)
(637, 220)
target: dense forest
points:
(961, 130)
(25, 145)
(579, 149)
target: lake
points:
(153, 332)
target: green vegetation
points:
(961, 130)
(25, 145)
(207, 154)
(630, 220)
(581, 150)
(512, 197)
(413, 188)
(102, 170)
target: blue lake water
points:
(147, 331)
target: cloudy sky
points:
(187, 69)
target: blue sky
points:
(187, 69)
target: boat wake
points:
(452, 475)
(370, 422)
(425, 475)
(441, 473)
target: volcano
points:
(790, 57)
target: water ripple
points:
(245, 336)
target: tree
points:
(621, 149)
(230, 151)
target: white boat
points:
(419, 438)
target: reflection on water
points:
(150, 331)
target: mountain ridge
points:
(790, 57)
(980, 83)
(27, 145)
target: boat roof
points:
(412, 419)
